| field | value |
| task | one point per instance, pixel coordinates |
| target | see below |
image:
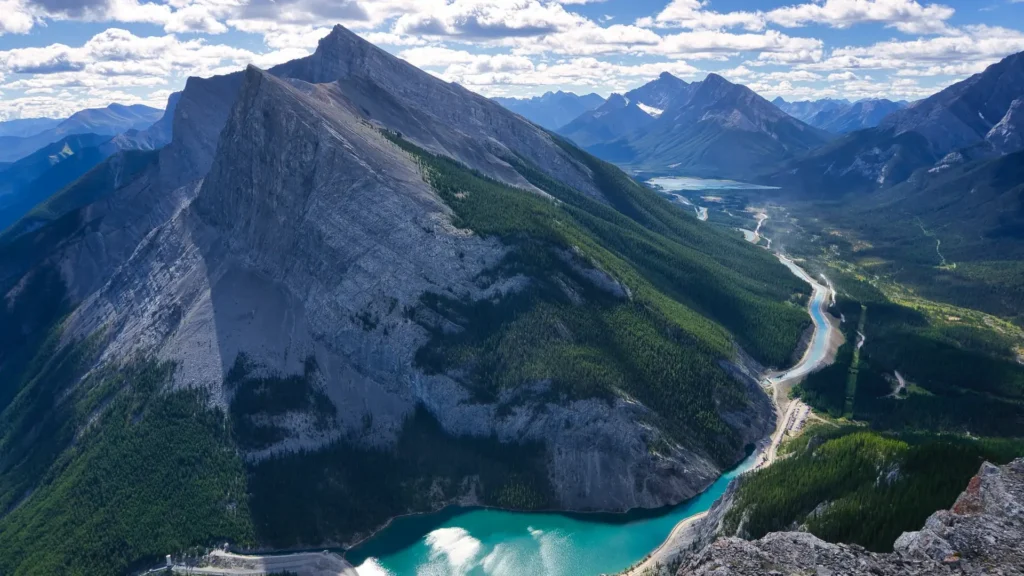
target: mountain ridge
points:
(715, 128)
(954, 125)
(108, 121)
(552, 110)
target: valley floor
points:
(791, 413)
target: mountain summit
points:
(712, 128)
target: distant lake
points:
(677, 183)
(479, 541)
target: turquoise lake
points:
(478, 541)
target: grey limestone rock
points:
(983, 533)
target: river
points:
(478, 541)
(818, 348)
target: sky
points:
(60, 56)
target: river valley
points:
(478, 541)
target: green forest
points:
(153, 474)
(857, 486)
(962, 378)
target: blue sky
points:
(58, 56)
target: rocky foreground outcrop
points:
(983, 533)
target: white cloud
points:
(587, 39)
(905, 15)
(488, 19)
(770, 44)
(114, 65)
(969, 49)
(577, 73)
(16, 18)
(691, 14)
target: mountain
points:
(714, 128)
(840, 116)
(25, 127)
(622, 114)
(156, 135)
(970, 120)
(615, 118)
(552, 110)
(36, 177)
(108, 121)
(348, 290)
(806, 110)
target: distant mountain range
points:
(621, 115)
(109, 121)
(552, 110)
(840, 116)
(981, 117)
(25, 127)
(707, 128)
(32, 180)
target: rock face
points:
(280, 217)
(309, 219)
(983, 533)
(614, 119)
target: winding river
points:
(818, 348)
(481, 541)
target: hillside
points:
(23, 127)
(382, 292)
(615, 118)
(36, 177)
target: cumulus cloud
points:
(770, 44)
(17, 19)
(111, 65)
(488, 19)
(691, 14)
(905, 15)
(969, 48)
(588, 39)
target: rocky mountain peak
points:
(714, 81)
(1008, 134)
(615, 101)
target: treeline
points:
(866, 488)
